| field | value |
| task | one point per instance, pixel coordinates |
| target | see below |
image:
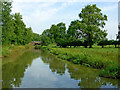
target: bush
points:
(76, 61)
(5, 51)
(37, 47)
(111, 72)
(28, 46)
(46, 48)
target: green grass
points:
(5, 51)
(103, 54)
(105, 59)
(12, 50)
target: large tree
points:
(19, 28)
(13, 30)
(36, 37)
(73, 29)
(8, 24)
(94, 21)
(56, 34)
(62, 29)
(28, 35)
(47, 37)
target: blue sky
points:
(40, 15)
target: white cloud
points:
(109, 8)
(37, 67)
(112, 29)
(16, 7)
(41, 15)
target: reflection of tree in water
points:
(55, 64)
(13, 72)
(88, 78)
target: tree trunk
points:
(102, 46)
(85, 46)
(90, 46)
(115, 45)
(90, 41)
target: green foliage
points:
(13, 68)
(77, 61)
(36, 37)
(108, 42)
(111, 72)
(84, 32)
(28, 46)
(14, 49)
(75, 29)
(96, 58)
(46, 48)
(82, 57)
(37, 47)
(46, 40)
(14, 30)
(8, 24)
(93, 19)
(56, 34)
(5, 51)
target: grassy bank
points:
(13, 50)
(105, 59)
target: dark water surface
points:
(39, 69)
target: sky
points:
(119, 13)
(41, 14)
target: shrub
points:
(110, 72)
(5, 52)
(76, 61)
(28, 46)
(37, 47)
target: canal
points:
(39, 69)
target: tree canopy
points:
(14, 30)
(86, 31)
(93, 21)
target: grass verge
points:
(105, 59)
(13, 50)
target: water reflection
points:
(46, 71)
(55, 65)
(13, 72)
(87, 77)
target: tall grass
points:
(14, 49)
(97, 57)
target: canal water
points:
(39, 69)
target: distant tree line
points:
(108, 42)
(84, 32)
(14, 30)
